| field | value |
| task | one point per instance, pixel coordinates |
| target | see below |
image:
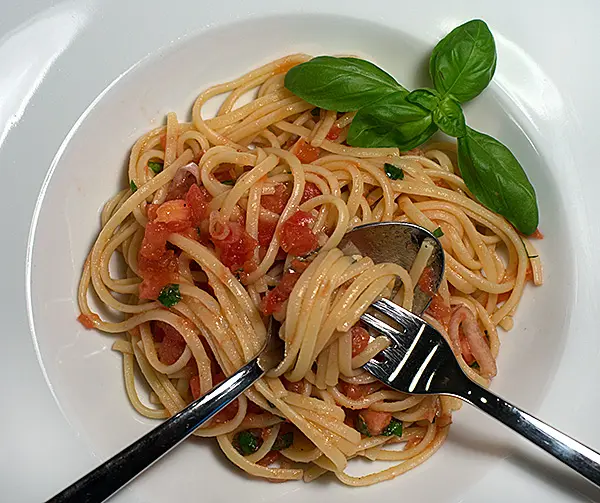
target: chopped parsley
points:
(132, 186)
(393, 172)
(157, 167)
(283, 441)
(228, 182)
(438, 233)
(169, 295)
(394, 428)
(475, 366)
(246, 443)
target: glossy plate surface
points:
(82, 80)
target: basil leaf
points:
(132, 186)
(438, 232)
(340, 84)
(246, 443)
(169, 295)
(391, 122)
(228, 182)
(463, 63)
(426, 98)
(394, 428)
(448, 116)
(361, 426)
(283, 441)
(497, 180)
(393, 172)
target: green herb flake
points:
(438, 233)
(228, 182)
(169, 295)
(394, 428)
(474, 366)
(246, 443)
(132, 186)
(315, 112)
(283, 441)
(157, 167)
(361, 426)
(393, 172)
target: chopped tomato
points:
(310, 190)
(305, 152)
(357, 391)
(157, 265)
(276, 202)
(427, 281)
(225, 172)
(88, 321)
(503, 297)
(297, 238)
(172, 343)
(439, 310)
(198, 199)
(360, 339)
(175, 214)
(266, 231)
(236, 249)
(537, 235)
(334, 132)
(375, 421)
(276, 297)
(269, 458)
(195, 386)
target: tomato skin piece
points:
(275, 298)
(297, 238)
(305, 152)
(88, 321)
(334, 132)
(357, 391)
(360, 339)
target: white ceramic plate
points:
(81, 81)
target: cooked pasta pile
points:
(235, 218)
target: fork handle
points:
(105, 480)
(579, 457)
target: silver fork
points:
(420, 361)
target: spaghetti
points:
(231, 219)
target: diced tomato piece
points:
(276, 202)
(334, 132)
(172, 343)
(310, 190)
(297, 238)
(266, 231)
(269, 458)
(360, 339)
(276, 297)
(227, 414)
(157, 265)
(175, 214)
(299, 265)
(529, 273)
(427, 281)
(439, 310)
(88, 321)
(503, 297)
(198, 199)
(375, 421)
(357, 391)
(236, 249)
(305, 152)
(537, 235)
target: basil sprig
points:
(461, 66)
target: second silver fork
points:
(420, 361)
